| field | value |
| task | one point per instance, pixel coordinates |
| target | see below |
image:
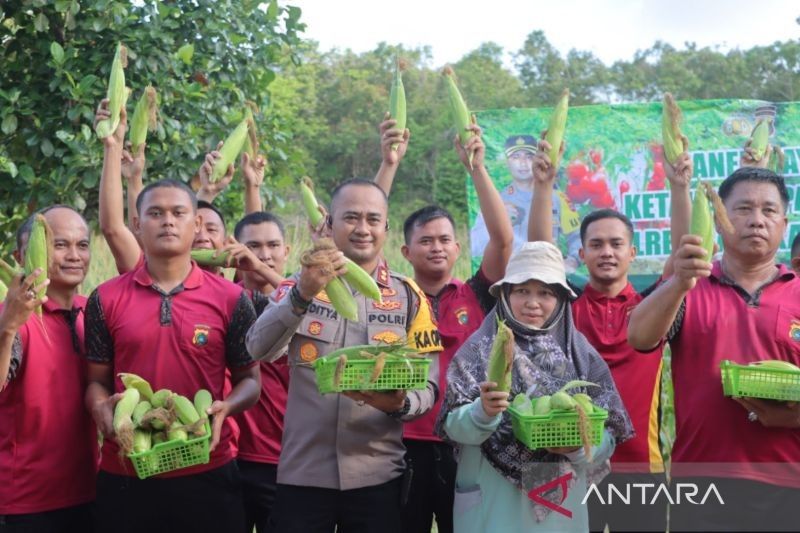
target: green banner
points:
(614, 160)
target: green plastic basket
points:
(170, 456)
(556, 428)
(409, 374)
(759, 382)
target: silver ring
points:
(752, 416)
(30, 295)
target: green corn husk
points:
(3, 291)
(501, 358)
(776, 160)
(759, 138)
(206, 257)
(702, 224)
(251, 143)
(458, 109)
(309, 200)
(671, 129)
(7, 273)
(557, 127)
(144, 118)
(37, 253)
(230, 150)
(397, 98)
(117, 93)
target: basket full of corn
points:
(161, 431)
(771, 380)
(558, 420)
(367, 367)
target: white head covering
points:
(537, 260)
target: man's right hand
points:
(543, 170)
(103, 414)
(690, 262)
(21, 300)
(117, 139)
(391, 135)
(314, 278)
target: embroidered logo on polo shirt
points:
(322, 296)
(388, 337)
(383, 274)
(388, 291)
(201, 332)
(462, 316)
(387, 305)
(794, 331)
(308, 352)
(315, 328)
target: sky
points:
(612, 29)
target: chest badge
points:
(315, 328)
(462, 316)
(201, 332)
(308, 352)
(794, 331)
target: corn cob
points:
(501, 357)
(251, 143)
(230, 150)
(185, 410)
(159, 437)
(123, 423)
(117, 93)
(138, 413)
(360, 280)
(142, 440)
(377, 370)
(397, 98)
(759, 138)
(776, 160)
(542, 405)
(38, 253)
(701, 224)
(776, 364)
(671, 130)
(157, 418)
(177, 432)
(562, 400)
(523, 404)
(310, 201)
(161, 398)
(202, 402)
(458, 110)
(585, 401)
(144, 118)
(558, 124)
(341, 364)
(7, 273)
(342, 299)
(207, 257)
(132, 381)
(3, 290)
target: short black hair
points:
(25, 228)
(760, 175)
(422, 216)
(796, 246)
(601, 214)
(258, 217)
(357, 181)
(202, 204)
(165, 183)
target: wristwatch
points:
(403, 410)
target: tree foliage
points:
(56, 57)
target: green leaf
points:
(46, 147)
(185, 53)
(57, 52)
(9, 125)
(27, 174)
(40, 23)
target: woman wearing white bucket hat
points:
(502, 485)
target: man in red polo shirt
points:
(459, 308)
(48, 442)
(601, 314)
(262, 240)
(180, 328)
(119, 162)
(742, 308)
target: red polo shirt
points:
(719, 321)
(182, 341)
(459, 309)
(262, 425)
(48, 442)
(604, 323)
